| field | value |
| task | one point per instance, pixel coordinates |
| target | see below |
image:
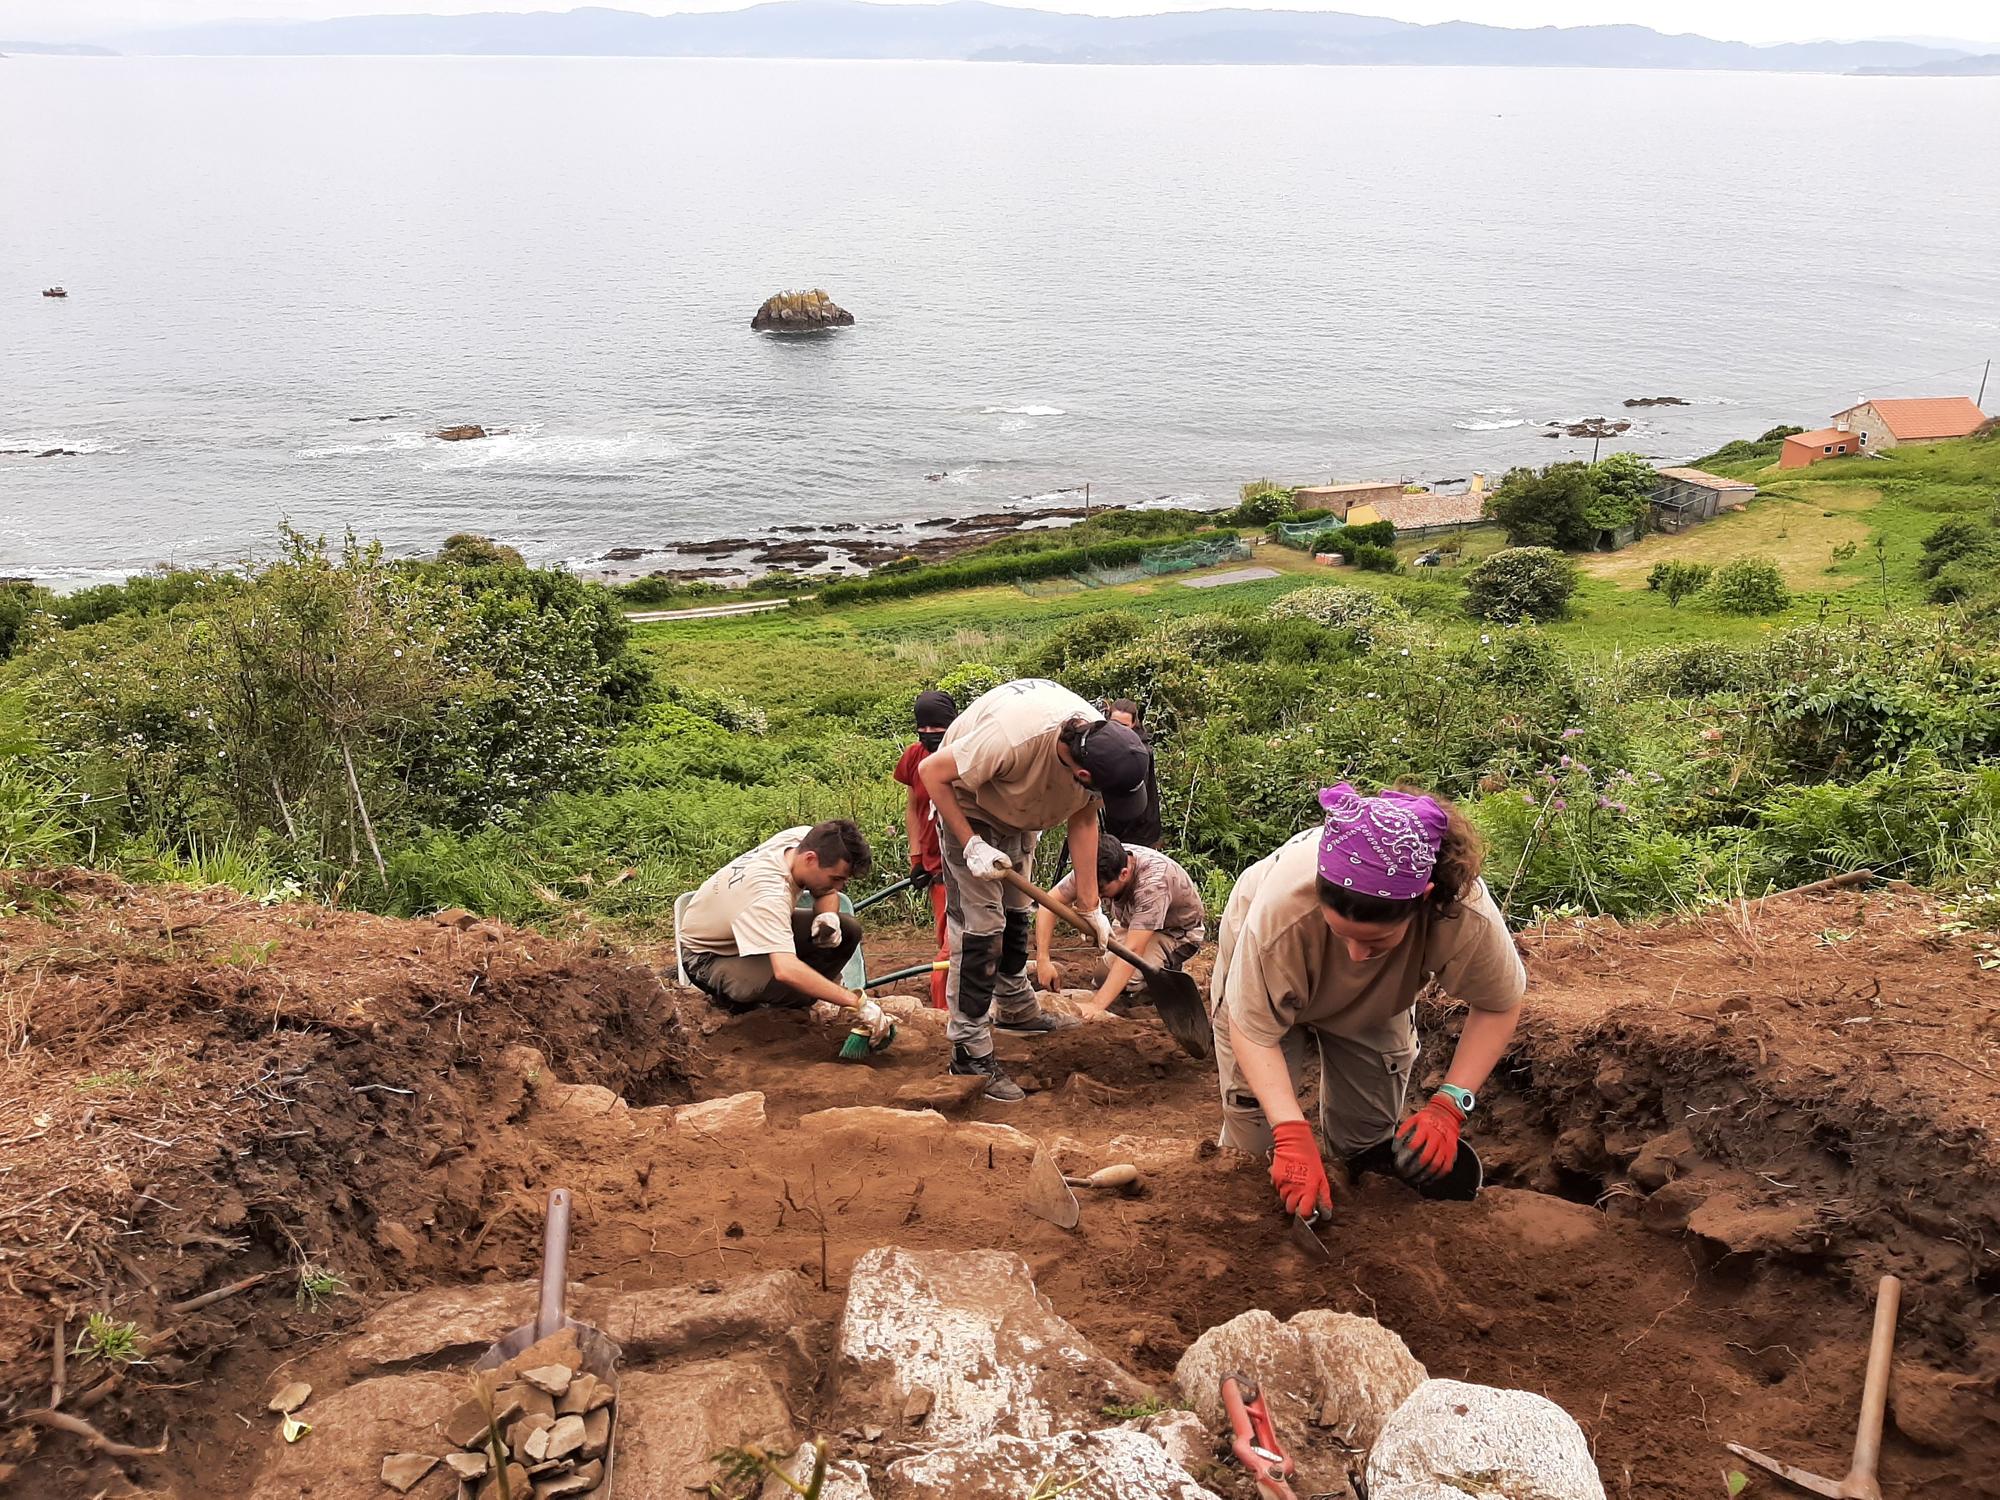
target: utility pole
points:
(1982, 384)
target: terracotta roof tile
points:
(1825, 437)
(1918, 418)
(1410, 511)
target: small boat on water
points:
(54, 291)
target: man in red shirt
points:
(935, 712)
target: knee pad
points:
(1016, 940)
(979, 966)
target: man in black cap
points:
(1021, 759)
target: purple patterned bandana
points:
(1381, 846)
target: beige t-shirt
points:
(1278, 965)
(745, 908)
(1008, 773)
(1162, 898)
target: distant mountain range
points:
(1985, 66)
(976, 31)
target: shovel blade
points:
(1178, 999)
(1048, 1196)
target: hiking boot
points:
(1041, 1023)
(999, 1087)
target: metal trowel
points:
(1305, 1234)
(1048, 1195)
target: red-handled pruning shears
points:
(1255, 1440)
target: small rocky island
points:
(800, 312)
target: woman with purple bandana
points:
(1323, 949)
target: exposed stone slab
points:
(1455, 1441)
(1112, 1464)
(672, 1423)
(961, 1344)
(353, 1430)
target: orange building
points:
(1803, 450)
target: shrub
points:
(18, 601)
(1624, 491)
(1779, 434)
(1748, 586)
(1340, 606)
(969, 680)
(974, 572)
(1263, 504)
(1961, 579)
(1690, 671)
(1521, 583)
(1370, 534)
(466, 549)
(1372, 559)
(145, 594)
(1678, 580)
(1956, 540)
(1551, 508)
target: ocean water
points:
(1159, 281)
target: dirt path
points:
(1708, 1142)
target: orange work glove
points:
(1296, 1169)
(1427, 1142)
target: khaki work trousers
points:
(1362, 1088)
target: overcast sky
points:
(1743, 20)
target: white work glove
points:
(984, 861)
(1099, 925)
(871, 1015)
(826, 930)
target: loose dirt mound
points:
(198, 1090)
(1703, 1157)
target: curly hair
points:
(1461, 856)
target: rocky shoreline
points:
(835, 548)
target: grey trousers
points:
(1362, 1089)
(743, 983)
(989, 928)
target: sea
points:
(1159, 282)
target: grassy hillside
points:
(1630, 758)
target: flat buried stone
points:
(581, 1482)
(468, 1465)
(564, 1438)
(554, 1379)
(401, 1471)
(596, 1435)
(290, 1399)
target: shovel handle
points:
(1064, 910)
(1875, 1386)
(550, 1313)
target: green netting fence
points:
(1199, 554)
(1298, 535)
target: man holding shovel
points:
(1154, 906)
(1021, 759)
(747, 943)
(1323, 949)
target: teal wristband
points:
(1465, 1099)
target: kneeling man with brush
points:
(747, 942)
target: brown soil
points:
(184, 1107)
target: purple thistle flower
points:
(1571, 734)
(1565, 762)
(1559, 805)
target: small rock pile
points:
(553, 1420)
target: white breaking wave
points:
(1024, 411)
(1489, 426)
(531, 445)
(1498, 411)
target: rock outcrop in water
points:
(464, 432)
(800, 312)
